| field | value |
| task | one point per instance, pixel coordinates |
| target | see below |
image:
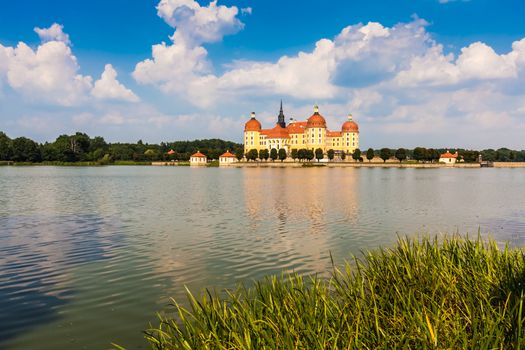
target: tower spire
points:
(280, 118)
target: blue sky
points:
(412, 72)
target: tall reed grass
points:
(450, 293)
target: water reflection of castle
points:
(310, 134)
(300, 214)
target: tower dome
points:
(316, 120)
(350, 125)
(252, 124)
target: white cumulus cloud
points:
(476, 62)
(479, 61)
(182, 67)
(109, 88)
(50, 72)
(197, 24)
(53, 33)
(361, 52)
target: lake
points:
(89, 255)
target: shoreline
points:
(278, 164)
(344, 164)
(369, 165)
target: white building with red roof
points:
(227, 158)
(449, 158)
(198, 159)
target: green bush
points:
(449, 294)
(130, 162)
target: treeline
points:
(419, 154)
(432, 155)
(422, 154)
(82, 148)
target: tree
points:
(503, 155)
(309, 154)
(273, 154)
(294, 154)
(105, 160)
(261, 154)
(331, 154)
(282, 154)
(419, 153)
(469, 156)
(26, 150)
(97, 142)
(251, 155)
(301, 154)
(343, 155)
(357, 154)
(370, 154)
(49, 152)
(265, 154)
(215, 153)
(151, 154)
(401, 154)
(319, 154)
(6, 147)
(489, 155)
(433, 154)
(385, 154)
(239, 154)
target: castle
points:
(310, 134)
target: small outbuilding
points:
(227, 158)
(198, 159)
(448, 158)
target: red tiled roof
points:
(350, 126)
(252, 125)
(170, 152)
(296, 127)
(449, 155)
(228, 155)
(333, 133)
(278, 132)
(316, 121)
(199, 155)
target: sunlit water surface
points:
(89, 255)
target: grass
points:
(452, 293)
(129, 162)
(73, 164)
(312, 165)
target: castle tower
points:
(280, 118)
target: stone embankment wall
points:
(164, 163)
(290, 164)
(509, 164)
(278, 164)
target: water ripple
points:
(87, 255)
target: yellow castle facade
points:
(310, 134)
